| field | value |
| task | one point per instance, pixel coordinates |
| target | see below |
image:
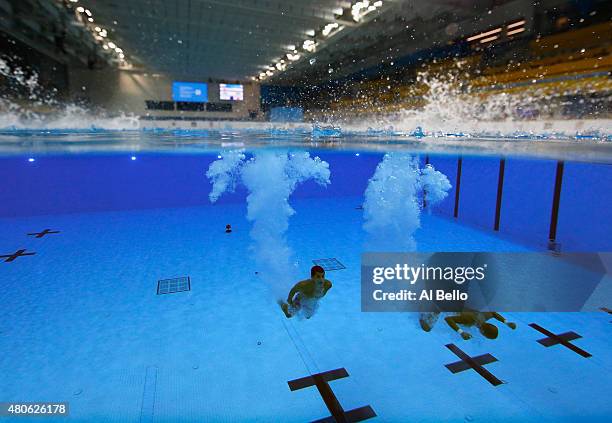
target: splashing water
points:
(41, 110)
(447, 104)
(392, 201)
(270, 178)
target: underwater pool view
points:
(125, 294)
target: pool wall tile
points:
(478, 190)
(527, 199)
(584, 211)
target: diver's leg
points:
(285, 308)
(428, 320)
(290, 310)
(309, 308)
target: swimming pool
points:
(86, 319)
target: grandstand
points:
(575, 63)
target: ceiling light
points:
(105, 46)
(269, 73)
(311, 32)
(329, 28)
(378, 3)
(486, 40)
(338, 11)
(262, 75)
(98, 29)
(309, 45)
(90, 19)
(118, 50)
(80, 9)
(121, 55)
(512, 25)
(74, 1)
(515, 31)
(112, 45)
(293, 57)
(290, 47)
(484, 34)
(87, 12)
(103, 33)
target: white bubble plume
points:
(223, 173)
(270, 178)
(393, 199)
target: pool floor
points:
(81, 321)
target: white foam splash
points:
(270, 178)
(392, 204)
(40, 110)
(453, 107)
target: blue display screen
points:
(196, 92)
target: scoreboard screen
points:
(231, 92)
(195, 92)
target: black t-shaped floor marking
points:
(338, 415)
(43, 233)
(562, 338)
(606, 309)
(474, 363)
(18, 253)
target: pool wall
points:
(98, 183)
(527, 194)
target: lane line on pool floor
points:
(147, 407)
(303, 352)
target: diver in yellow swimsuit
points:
(468, 318)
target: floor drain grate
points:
(329, 264)
(171, 286)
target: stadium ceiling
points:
(243, 39)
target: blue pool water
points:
(81, 320)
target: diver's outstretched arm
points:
(452, 322)
(502, 319)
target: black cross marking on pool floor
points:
(18, 253)
(474, 363)
(43, 233)
(338, 415)
(562, 338)
(606, 309)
